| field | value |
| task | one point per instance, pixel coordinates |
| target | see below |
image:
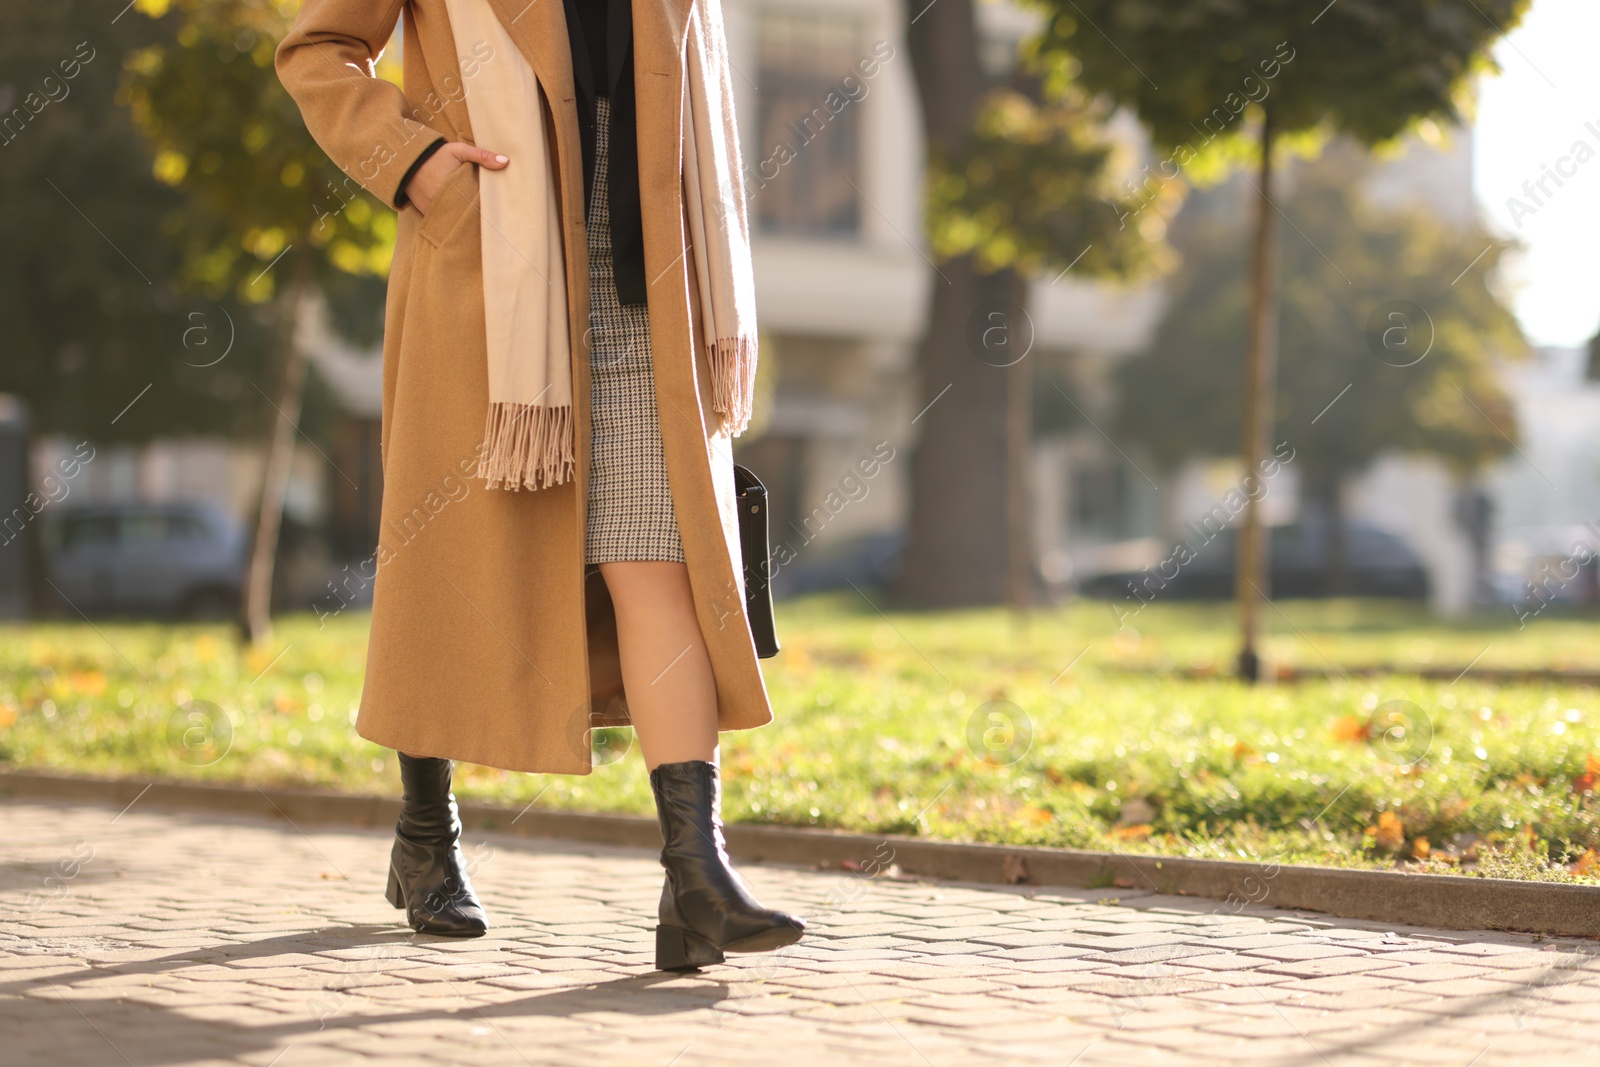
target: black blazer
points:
(601, 36)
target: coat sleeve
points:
(327, 63)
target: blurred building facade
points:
(843, 282)
(1547, 494)
(843, 276)
(833, 150)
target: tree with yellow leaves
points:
(266, 217)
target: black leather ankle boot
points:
(706, 909)
(427, 872)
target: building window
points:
(805, 168)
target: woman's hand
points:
(430, 178)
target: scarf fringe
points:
(526, 446)
(733, 380)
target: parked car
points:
(1377, 564)
(160, 559)
(1546, 566)
(867, 560)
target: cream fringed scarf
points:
(529, 431)
(719, 230)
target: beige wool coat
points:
(488, 642)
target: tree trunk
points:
(968, 525)
(1338, 543)
(961, 479)
(257, 619)
(1251, 584)
(1019, 434)
(1322, 511)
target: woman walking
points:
(569, 349)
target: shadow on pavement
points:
(64, 1021)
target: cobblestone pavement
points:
(154, 938)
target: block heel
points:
(393, 892)
(678, 949)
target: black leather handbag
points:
(757, 553)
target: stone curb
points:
(1450, 902)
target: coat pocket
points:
(456, 200)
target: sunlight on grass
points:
(959, 725)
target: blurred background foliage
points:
(1340, 258)
(255, 182)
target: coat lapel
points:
(658, 28)
(658, 40)
(580, 48)
(436, 38)
(540, 30)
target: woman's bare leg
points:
(666, 671)
(705, 908)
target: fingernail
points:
(501, 159)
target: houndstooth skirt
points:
(630, 514)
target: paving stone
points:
(946, 956)
(910, 968)
(1237, 995)
(1484, 949)
(991, 1017)
(960, 933)
(1430, 972)
(1319, 968)
(1353, 985)
(1044, 957)
(1240, 979)
(1289, 953)
(856, 993)
(1035, 978)
(1223, 961)
(220, 943)
(1438, 954)
(1152, 954)
(932, 912)
(1009, 939)
(1245, 942)
(1112, 986)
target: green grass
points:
(957, 725)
